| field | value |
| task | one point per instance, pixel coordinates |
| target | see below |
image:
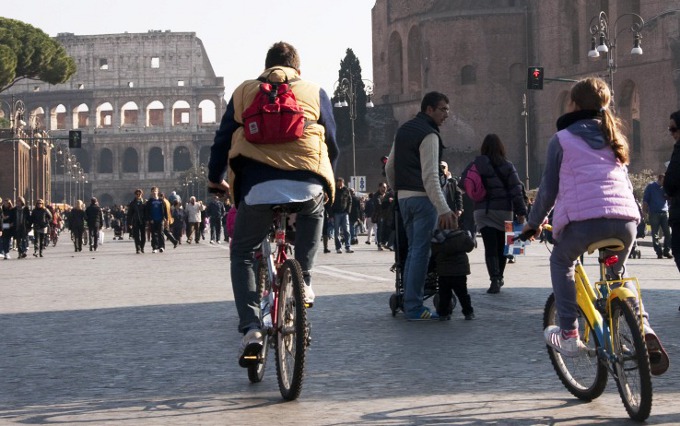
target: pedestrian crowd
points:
(155, 220)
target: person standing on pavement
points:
(7, 228)
(22, 224)
(76, 223)
(155, 216)
(264, 175)
(504, 196)
(655, 206)
(40, 221)
(415, 154)
(585, 183)
(193, 212)
(354, 217)
(136, 220)
(168, 222)
(216, 213)
(95, 220)
(341, 208)
(671, 184)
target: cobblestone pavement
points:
(110, 337)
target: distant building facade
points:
(478, 53)
(147, 104)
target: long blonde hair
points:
(593, 94)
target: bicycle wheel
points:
(291, 330)
(264, 285)
(584, 376)
(633, 375)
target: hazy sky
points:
(236, 34)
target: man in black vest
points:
(416, 154)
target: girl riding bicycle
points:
(586, 181)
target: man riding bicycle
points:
(262, 175)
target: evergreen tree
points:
(350, 71)
(28, 52)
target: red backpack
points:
(473, 183)
(274, 116)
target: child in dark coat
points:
(450, 248)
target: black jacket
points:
(671, 184)
(40, 218)
(135, 215)
(450, 255)
(503, 187)
(94, 216)
(343, 200)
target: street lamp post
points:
(349, 92)
(16, 110)
(604, 41)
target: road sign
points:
(358, 183)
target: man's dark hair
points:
(432, 99)
(282, 54)
(676, 117)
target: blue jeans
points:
(341, 222)
(420, 218)
(253, 223)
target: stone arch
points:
(81, 116)
(130, 161)
(129, 114)
(468, 75)
(105, 161)
(181, 113)
(395, 65)
(105, 115)
(204, 155)
(629, 111)
(156, 162)
(181, 159)
(155, 114)
(58, 117)
(207, 112)
(414, 52)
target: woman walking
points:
(503, 198)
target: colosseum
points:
(147, 105)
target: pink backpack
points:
(473, 183)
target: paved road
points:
(117, 338)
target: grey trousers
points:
(572, 242)
(252, 225)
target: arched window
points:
(105, 115)
(415, 49)
(395, 67)
(180, 113)
(155, 114)
(207, 114)
(129, 114)
(181, 159)
(105, 161)
(156, 160)
(58, 118)
(81, 116)
(130, 161)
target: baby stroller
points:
(117, 229)
(431, 289)
(635, 252)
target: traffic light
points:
(74, 138)
(535, 78)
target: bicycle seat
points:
(288, 207)
(613, 244)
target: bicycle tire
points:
(291, 338)
(633, 372)
(256, 371)
(584, 376)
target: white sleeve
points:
(389, 169)
(429, 165)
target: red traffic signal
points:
(535, 78)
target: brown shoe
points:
(658, 358)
